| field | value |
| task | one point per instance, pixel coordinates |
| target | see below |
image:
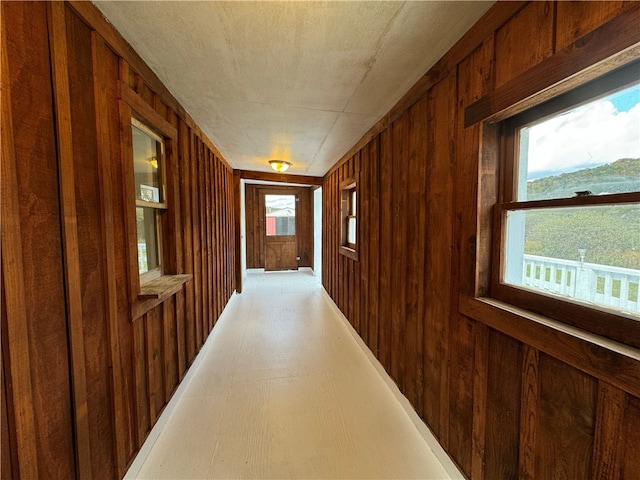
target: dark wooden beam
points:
(614, 44)
(280, 177)
(602, 358)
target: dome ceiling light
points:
(279, 166)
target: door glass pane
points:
(280, 214)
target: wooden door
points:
(280, 231)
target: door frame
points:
(262, 192)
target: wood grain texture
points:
(280, 254)
(128, 188)
(107, 216)
(87, 172)
(529, 412)
(196, 249)
(515, 52)
(439, 182)
(8, 461)
(611, 404)
(77, 234)
(172, 222)
(280, 177)
(237, 230)
(38, 198)
(163, 287)
(398, 248)
(466, 423)
(610, 364)
(71, 256)
(187, 345)
(565, 430)
(630, 462)
(416, 238)
(386, 262)
(373, 242)
(480, 385)
(504, 403)
(117, 68)
(15, 354)
(576, 19)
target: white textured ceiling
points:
(301, 81)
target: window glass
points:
(280, 215)
(148, 247)
(351, 237)
(147, 160)
(148, 165)
(586, 253)
(348, 217)
(594, 147)
(581, 250)
(351, 218)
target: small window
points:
(148, 167)
(570, 202)
(349, 228)
(351, 219)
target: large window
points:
(569, 213)
(148, 167)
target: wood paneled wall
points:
(86, 366)
(255, 225)
(507, 397)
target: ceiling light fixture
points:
(279, 166)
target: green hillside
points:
(610, 235)
(620, 176)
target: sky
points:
(594, 134)
(280, 201)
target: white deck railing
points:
(601, 284)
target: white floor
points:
(282, 389)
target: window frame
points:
(144, 297)
(593, 318)
(349, 210)
(158, 207)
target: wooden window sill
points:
(163, 287)
(349, 252)
(601, 357)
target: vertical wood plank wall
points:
(86, 370)
(504, 405)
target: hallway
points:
(284, 389)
